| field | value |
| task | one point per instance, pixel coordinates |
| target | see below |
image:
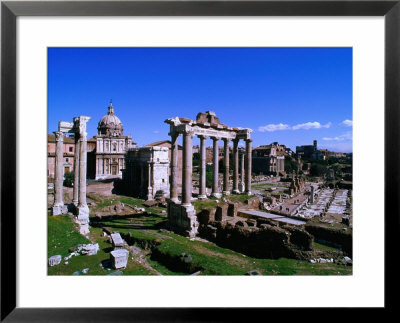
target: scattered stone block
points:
(90, 249)
(119, 258)
(117, 240)
(150, 203)
(54, 260)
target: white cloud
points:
(347, 123)
(155, 131)
(344, 136)
(311, 125)
(274, 127)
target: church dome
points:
(110, 125)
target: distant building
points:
(269, 159)
(147, 172)
(68, 158)
(108, 155)
(306, 151)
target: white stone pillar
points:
(241, 184)
(149, 182)
(235, 167)
(226, 167)
(174, 168)
(248, 162)
(187, 168)
(75, 192)
(202, 188)
(58, 206)
(215, 191)
(83, 209)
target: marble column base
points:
(248, 192)
(59, 209)
(217, 195)
(226, 192)
(202, 197)
(182, 219)
(235, 192)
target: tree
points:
(69, 179)
(318, 169)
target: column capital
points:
(225, 140)
(215, 138)
(249, 140)
(236, 141)
(202, 136)
(59, 135)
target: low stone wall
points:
(335, 236)
(101, 188)
(266, 241)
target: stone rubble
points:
(54, 260)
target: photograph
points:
(200, 161)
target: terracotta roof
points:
(158, 143)
(67, 140)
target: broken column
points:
(58, 206)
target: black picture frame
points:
(10, 10)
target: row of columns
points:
(187, 167)
(80, 169)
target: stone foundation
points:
(59, 209)
(182, 219)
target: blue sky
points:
(289, 95)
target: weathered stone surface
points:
(253, 203)
(90, 249)
(150, 203)
(251, 222)
(221, 212)
(54, 260)
(206, 216)
(119, 258)
(232, 209)
(117, 240)
(241, 224)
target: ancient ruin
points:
(78, 128)
(181, 214)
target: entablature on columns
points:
(180, 126)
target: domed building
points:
(111, 146)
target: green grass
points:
(144, 229)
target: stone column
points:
(187, 168)
(242, 172)
(149, 183)
(83, 209)
(174, 168)
(215, 192)
(58, 206)
(202, 188)
(226, 167)
(248, 167)
(235, 188)
(75, 198)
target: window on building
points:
(71, 149)
(67, 160)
